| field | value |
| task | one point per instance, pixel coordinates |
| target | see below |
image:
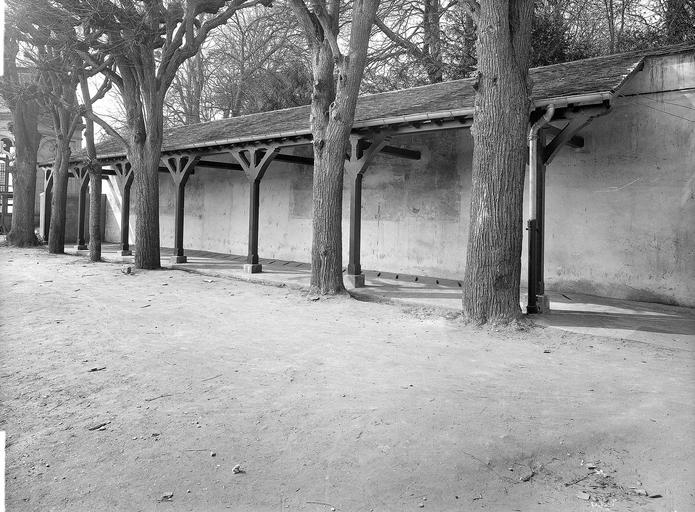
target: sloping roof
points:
(582, 78)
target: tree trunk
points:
(94, 169)
(144, 156)
(56, 233)
(326, 248)
(25, 116)
(145, 120)
(433, 43)
(95, 211)
(332, 115)
(493, 266)
(198, 73)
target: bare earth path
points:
(328, 404)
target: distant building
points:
(46, 152)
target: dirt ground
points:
(329, 404)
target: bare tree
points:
(493, 256)
(148, 41)
(20, 93)
(333, 105)
(679, 20)
(54, 45)
(256, 62)
(183, 103)
(417, 42)
(93, 164)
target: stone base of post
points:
(543, 303)
(253, 268)
(354, 281)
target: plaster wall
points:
(409, 208)
(620, 218)
(112, 213)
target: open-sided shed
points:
(615, 208)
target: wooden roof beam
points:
(408, 154)
(226, 166)
(294, 159)
(575, 142)
(563, 137)
(578, 119)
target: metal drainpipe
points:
(532, 305)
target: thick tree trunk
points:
(493, 265)
(144, 156)
(144, 116)
(332, 114)
(56, 233)
(95, 212)
(326, 249)
(25, 116)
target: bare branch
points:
(472, 7)
(106, 126)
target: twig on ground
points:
(577, 480)
(321, 503)
(158, 397)
(97, 427)
(210, 378)
(485, 465)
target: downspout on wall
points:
(532, 304)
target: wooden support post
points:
(83, 176)
(355, 166)
(254, 212)
(546, 152)
(180, 167)
(354, 266)
(532, 302)
(47, 197)
(537, 301)
(124, 180)
(255, 161)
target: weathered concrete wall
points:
(410, 208)
(112, 214)
(415, 213)
(620, 212)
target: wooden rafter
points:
(576, 142)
